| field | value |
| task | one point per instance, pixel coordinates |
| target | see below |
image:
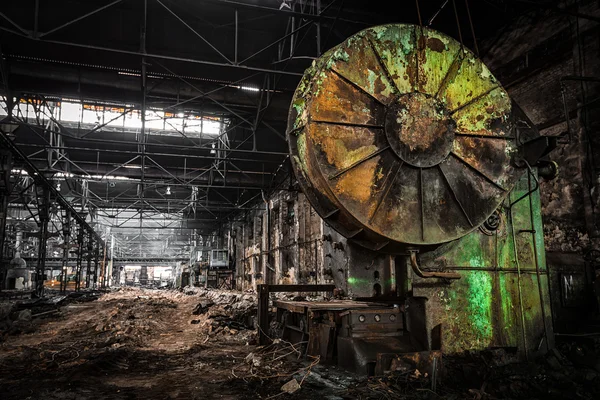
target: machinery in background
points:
(406, 144)
(215, 272)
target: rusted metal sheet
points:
(502, 298)
(401, 137)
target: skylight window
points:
(84, 115)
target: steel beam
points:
(33, 171)
(194, 31)
(285, 13)
(172, 58)
(77, 19)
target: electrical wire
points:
(458, 24)
(472, 28)
(419, 13)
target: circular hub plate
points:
(419, 129)
(400, 137)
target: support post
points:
(90, 248)
(66, 228)
(263, 314)
(5, 190)
(44, 217)
(79, 257)
(96, 264)
(103, 280)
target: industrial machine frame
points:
(404, 142)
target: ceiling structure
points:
(161, 119)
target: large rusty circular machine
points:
(402, 139)
(405, 143)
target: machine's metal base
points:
(364, 355)
(363, 337)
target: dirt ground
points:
(195, 344)
(144, 344)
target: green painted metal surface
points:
(402, 139)
(498, 301)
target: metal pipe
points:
(422, 274)
(514, 239)
(537, 261)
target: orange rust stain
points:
(337, 102)
(343, 146)
(357, 183)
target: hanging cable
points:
(472, 29)
(419, 13)
(457, 24)
(436, 13)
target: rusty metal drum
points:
(401, 138)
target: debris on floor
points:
(137, 343)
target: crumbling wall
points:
(536, 59)
(284, 241)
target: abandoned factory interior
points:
(299, 199)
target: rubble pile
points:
(23, 316)
(491, 374)
(127, 323)
(225, 312)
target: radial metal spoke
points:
(474, 100)
(478, 136)
(450, 70)
(350, 124)
(487, 178)
(383, 67)
(417, 53)
(387, 186)
(354, 85)
(454, 195)
(357, 163)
